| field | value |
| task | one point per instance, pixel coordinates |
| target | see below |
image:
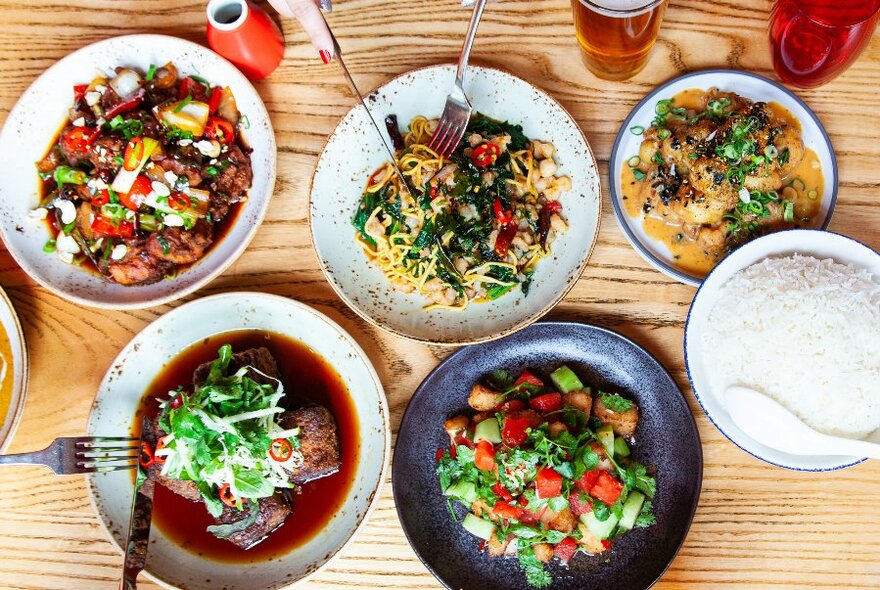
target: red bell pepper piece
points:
(587, 481)
(104, 227)
(189, 87)
(606, 544)
(123, 106)
(134, 153)
(136, 197)
(484, 456)
(505, 237)
(100, 198)
(606, 488)
(214, 100)
(439, 455)
(549, 402)
(80, 139)
(565, 549)
(548, 483)
(528, 378)
(79, 91)
(506, 510)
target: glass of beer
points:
(616, 36)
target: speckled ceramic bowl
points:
(354, 151)
(144, 357)
(35, 120)
(13, 371)
(668, 444)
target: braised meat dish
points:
(145, 170)
(232, 441)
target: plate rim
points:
(371, 369)
(562, 324)
(328, 276)
(223, 265)
(661, 265)
(697, 395)
(19, 394)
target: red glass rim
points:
(824, 23)
(646, 5)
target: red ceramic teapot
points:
(244, 34)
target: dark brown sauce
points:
(221, 228)
(307, 378)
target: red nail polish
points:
(325, 56)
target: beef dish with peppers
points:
(257, 468)
(147, 173)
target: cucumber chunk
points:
(631, 509)
(488, 430)
(462, 490)
(621, 449)
(565, 380)
(606, 436)
(601, 529)
(478, 527)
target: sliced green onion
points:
(812, 195)
(183, 102)
(657, 158)
(798, 184)
(663, 133)
(636, 129)
(49, 246)
(774, 196)
(201, 81)
(151, 73)
(771, 152)
(734, 175)
(662, 106)
(788, 211)
(639, 175)
(634, 161)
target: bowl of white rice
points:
(796, 316)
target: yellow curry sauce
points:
(6, 372)
(688, 254)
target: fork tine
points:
(91, 468)
(88, 442)
(455, 134)
(109, 452)
(439, 135)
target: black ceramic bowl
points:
(667, 442)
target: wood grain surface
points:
(757, 526)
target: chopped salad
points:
(545, 469)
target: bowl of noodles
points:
(465, 248)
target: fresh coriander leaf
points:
(532, 567)
(615, 402)
(557, 504)
(646, 516)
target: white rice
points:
(806, 332)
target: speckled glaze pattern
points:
(353, 152)
(746, 84)
(145, 356)
(699, 361)
(667, 442)
(17, 369)
(36, 118)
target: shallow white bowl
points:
(817, 243)
(15, 370)
(354, 151)
(145, 356)
(40, 112)
(746, 84)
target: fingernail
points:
(325, 56)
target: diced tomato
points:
(528, 378)
(506, 510)
(606, 488)
(565, 549)
(100, 198)
(214, 100)
(548, 483)
(579, 505)
(79, 91)
(513, 405)
(500, 214)
(465, 438)
(134, 153)
(505, 237)
(104, 227)
(220, 129)
(549, 402)
(587, 481)
(136, 197)
(439, 455)
(553, 207)
(453, 451)
(501, 492)
(80, 139)
(530, 518)
(485, 155)
(484, 456)
(514, 431)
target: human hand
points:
(308, 13)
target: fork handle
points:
(469, 42)
(34, 458)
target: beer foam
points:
(613, 6)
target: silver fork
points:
(71, 455)
(457, 112)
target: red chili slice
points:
(220, 129)
(214, 100)
(280, 450)
(226, 495)
(134, 153)
(147, 458)
(80, 139)
(179, 201)
(100, 198)
(485, 155)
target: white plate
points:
(816, 243)
(14, 370)
(751, 86)
(353, 152)
(40, 112)
(145, 356)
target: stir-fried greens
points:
(545, 470)
(469, 228)
(146, 167)
(224, 436)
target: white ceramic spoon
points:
(771, 424)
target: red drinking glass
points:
(814, 41)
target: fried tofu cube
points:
(482, 398)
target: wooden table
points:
(756, 525)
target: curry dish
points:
(716, 170)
